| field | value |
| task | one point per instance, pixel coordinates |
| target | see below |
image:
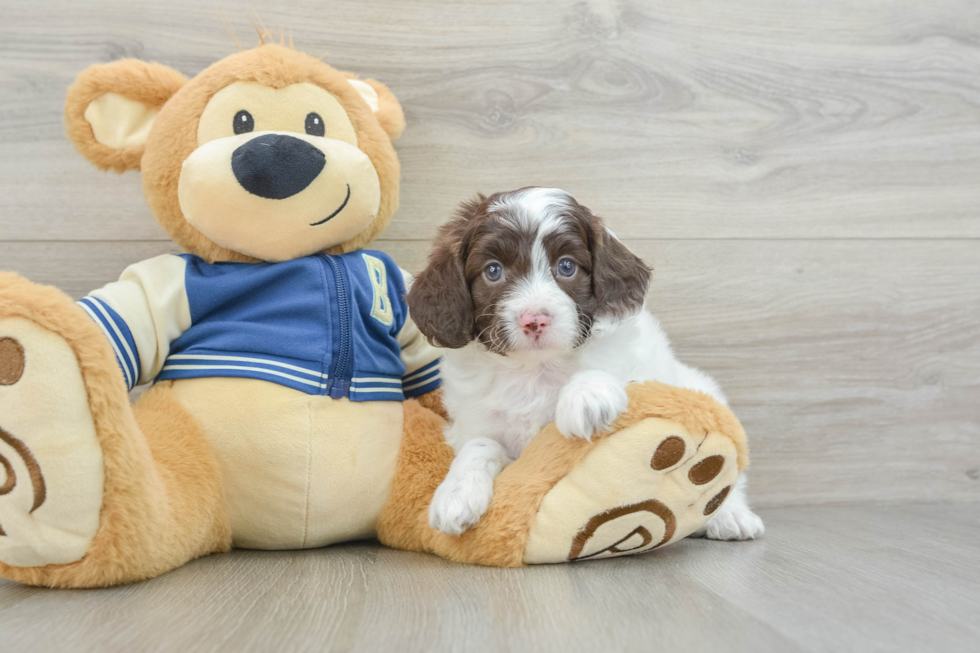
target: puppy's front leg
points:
(465, 493)
(735, 519)
(591, 401)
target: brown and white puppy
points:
(542, 311)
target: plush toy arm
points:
(421, 362)
(141, 314)
(421, 359)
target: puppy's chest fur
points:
(496, 397)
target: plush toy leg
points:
(93, 493)
(669, 463)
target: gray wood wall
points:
(804, 176)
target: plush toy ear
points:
(384, 105)
(110, 109)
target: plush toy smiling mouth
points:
(334, 214)
(277, 166)
(277, 186)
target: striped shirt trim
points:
(246, 359)
(376, 394)
(377, 379)
(415, 374)
(421, 389)
(422, 380)
(292, 373)
(389, 391)
(119, 336)
(376, 388)
(260, 372)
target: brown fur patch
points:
(620, 279)
(453, 302)
(439, 300)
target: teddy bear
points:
(294, 404)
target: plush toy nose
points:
(534, 322)
(276, 166)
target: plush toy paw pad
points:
(50, 461)
(11, 361)
(645, 486)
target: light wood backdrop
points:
(804, 176)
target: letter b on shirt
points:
(381, 308)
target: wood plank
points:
(854, 366)
(677, 120)
(856, 578)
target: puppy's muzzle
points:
(277, 166)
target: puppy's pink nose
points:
(534, 322)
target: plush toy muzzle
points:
(278, 196)
(266, 155)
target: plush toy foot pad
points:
(642, 487)
(51, 473)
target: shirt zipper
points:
(339, 376)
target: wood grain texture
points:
(749, 119)
(854, 368)
(804, 179)
(834, 578)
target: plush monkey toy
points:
(294, 403)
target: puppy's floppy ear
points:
(111, 107)
(383, 103)
(440, 302)
(619, 277)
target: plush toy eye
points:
(566, 267)
(314, 124)
(493, 272)
(244, 122)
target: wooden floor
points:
(805, 178)
(867, 578)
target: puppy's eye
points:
(243, 123)
(566, 267)
(493, 272)
(314, 124)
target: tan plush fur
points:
(698, 412)
(162, 499)
(149, 83)
(174, 133)
(389, 112)
(163, 502)
(174, 137)
(433, 401)
(501, 536)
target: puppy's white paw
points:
(590, 402)
(734, 523)
(460, 501)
